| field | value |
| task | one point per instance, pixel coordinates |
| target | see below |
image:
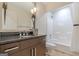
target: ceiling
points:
(27, 6)
(55, 5)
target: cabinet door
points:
(25, 52)
(40, 50)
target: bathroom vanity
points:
(23, 46)
(12, 20)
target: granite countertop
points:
(5, 40)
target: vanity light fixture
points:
(34, 9)
(33, 12)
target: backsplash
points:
(3, 34)
(7, 34)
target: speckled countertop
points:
(5, 40)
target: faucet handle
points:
(24, 34)
(20, 34)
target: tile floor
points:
(55, 52)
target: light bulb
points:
(35, 9)
(32, 11)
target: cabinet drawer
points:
(10, 48)
(30, 42)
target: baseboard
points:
(62, 49)
(50, 45)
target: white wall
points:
(62, 27)
(75, 13)
(41, 19)
(50, 28)
(63, 31)
(75, 38)
(43, 8)
(0, 15)
(17, 18)
(11, 18)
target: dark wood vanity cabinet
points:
(40, 50)
(30, 47)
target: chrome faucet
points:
(20, 34)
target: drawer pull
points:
(11, 49)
